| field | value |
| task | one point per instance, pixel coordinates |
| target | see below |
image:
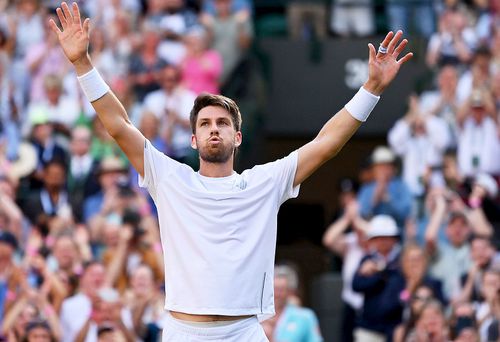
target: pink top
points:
(201, 74)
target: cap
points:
(487, 182)
(382, 226)
(8, 238)
(382, 155)
(111, 164)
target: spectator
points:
(91, 307)
(307, 19)
(11, 276)
(52, 199)
(145, 64)
(483, 255)
(231, 33)
(177, 19)
(453, 43)
(420, 140)
(201, 67)
(30, 310)
(477, 76)
(81, 179)
(444, 102)
(130, 252)
(431, 324)
(37, 331)
(146, 303)
(47, 149)
(386, 194)
(479, 143)
(352, 18)
(46, 58)
(351, 247)
(451, 258)
(421, 296)
(110, 171)
(291, 323)
(400, 17)
(382, 310)
(172, 105)
(487, 306)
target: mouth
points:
(214, 140)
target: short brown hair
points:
(204, 100)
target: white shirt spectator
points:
(479, 148)
(352, 258)
(75, 311)
(420, 152)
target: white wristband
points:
(362, 104)
(93, 85)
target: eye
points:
(204, 123)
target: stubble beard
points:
(217, 154)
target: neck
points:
(208, 169)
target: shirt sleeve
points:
(283, 172)
(156, 166)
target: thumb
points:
(372, 52)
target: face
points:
(80, 141)
(382, 244)
(383, 172)
(6, 251)
(421, 296)
(448, 78)
(431, 321)
(65, 252)
(215, 137)
(38, 335)
(457, 231)
(142, 279)
(414, 262)
(481, 252)
(280, 291)
(94, 277)
(169, 78)
(54, 177)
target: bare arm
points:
(74, 40)
(339, 129)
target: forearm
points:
(82, 334)
(332, 235)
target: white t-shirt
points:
(218, 234)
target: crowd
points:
(80, 258)
(418, 232)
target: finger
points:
(86, 26)
(400, 48)
(387, 39)
(67, 12)
(61, 17)
(76, 14)
(406, 58)
(371, 52)
(394, 41)
(54, 27)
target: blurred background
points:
(408, 209)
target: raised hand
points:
(74, 37)
(384, 65)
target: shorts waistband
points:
(232, 327)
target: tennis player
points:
(218, 227)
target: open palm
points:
(383, 67)
(74, 37)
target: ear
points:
(238, 139)
(194, 145)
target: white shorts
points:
(244, 330)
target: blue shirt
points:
(297, 325)
(397, 204)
